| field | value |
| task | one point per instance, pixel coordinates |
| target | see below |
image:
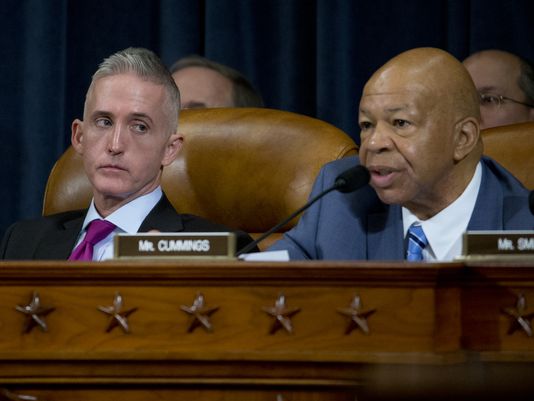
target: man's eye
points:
(141, 128)
(489, 99)
(364, 125)
(400, 123)
(103, 122)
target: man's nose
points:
(116, 140)
(379, 139)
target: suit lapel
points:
(58, 244)
(490, 196)
(385, 238)
(163, 217)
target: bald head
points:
(496, 74)
(433, 72)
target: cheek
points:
(93, 143)
(89, 151)
(486, 115)
(421, 161)
(362, 154)
(146, 159)
(362, 151)
(431, 163)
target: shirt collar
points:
(129, 217)
(444, 231)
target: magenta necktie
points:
(97, 230)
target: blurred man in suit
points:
(505, 83)
(127, 136)
(204, 83)
(419, 118)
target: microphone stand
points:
(251, 245)
(348, 181)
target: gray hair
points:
(244, 94)
(526, 80)
(145, 64)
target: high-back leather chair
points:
(243, 167)
(513, 147)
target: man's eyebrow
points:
(142, 116)
(364, 111)
(98, 113)
(487, 88)
(194, 105)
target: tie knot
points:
(97, 230)
(417, 241)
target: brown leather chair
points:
(246, 168)
(513, 147)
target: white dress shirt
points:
(444, 231)
(127, 218)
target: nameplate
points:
(220, 245)
(498, 243)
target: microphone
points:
(348, 181)
(531, 202)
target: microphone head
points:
(531, 202)
(352, 179)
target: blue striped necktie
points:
(416, 243)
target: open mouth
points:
(381, 171)
(382, 176)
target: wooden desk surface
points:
(431, 327)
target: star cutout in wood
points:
(35, 313)
(520, 320)
(117, 317)
(358, 318)
(281, 314)
(8, 395)
(199, 313)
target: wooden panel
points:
(488, 290)
(144, 394)
(435, 328)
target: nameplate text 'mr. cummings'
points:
(175, 245)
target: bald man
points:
(419, 118)
(505, 83)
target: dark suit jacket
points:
(358, 226)
(53, 237)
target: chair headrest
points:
(513, 147)
(244, 167)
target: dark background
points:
(307, 56)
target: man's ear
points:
(174, 145)
(467, 137)
(76, 136)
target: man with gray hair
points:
(204, 83)
(505, 83)
(127, 136)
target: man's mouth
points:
(381, 176)
(112, 167)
